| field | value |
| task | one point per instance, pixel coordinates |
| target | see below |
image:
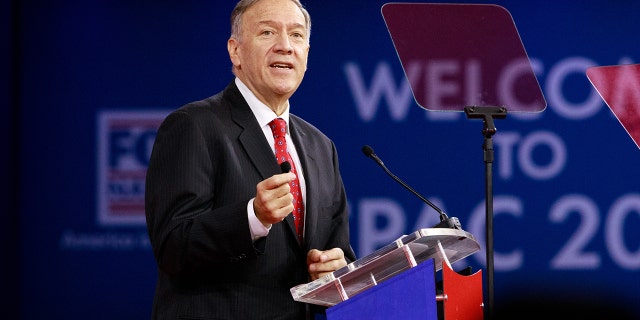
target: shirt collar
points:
(263, 114)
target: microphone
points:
(285, 167)
(445, 221)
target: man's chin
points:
(285, 88)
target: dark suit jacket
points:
(207, 159)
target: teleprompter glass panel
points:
(458, 55)
(619, 87)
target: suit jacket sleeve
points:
(186, 230)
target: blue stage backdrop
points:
(97, 77)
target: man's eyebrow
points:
(291, 25)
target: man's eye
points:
(299, 36)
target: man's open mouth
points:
(281, 66)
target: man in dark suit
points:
(218, 206)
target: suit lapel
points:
(251, 138)
(306, 149)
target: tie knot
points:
(278, 127)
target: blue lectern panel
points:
(410, 295)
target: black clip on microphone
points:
(285, 167)
(445, 221)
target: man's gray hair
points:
(243, 5)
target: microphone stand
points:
(487, 114)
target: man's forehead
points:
(268, 12)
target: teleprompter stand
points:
(488, 114)
(447, 38)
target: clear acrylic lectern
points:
(381, 265)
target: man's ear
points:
(307, 62)
(232, 48)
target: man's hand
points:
(273, 201)
(321, 263)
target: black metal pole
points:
(488, 160)
(487, 114)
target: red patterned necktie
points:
(279, 130)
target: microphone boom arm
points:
(368, 151)
(443, 215)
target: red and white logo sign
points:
(125, 140)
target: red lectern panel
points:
(463, 295)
